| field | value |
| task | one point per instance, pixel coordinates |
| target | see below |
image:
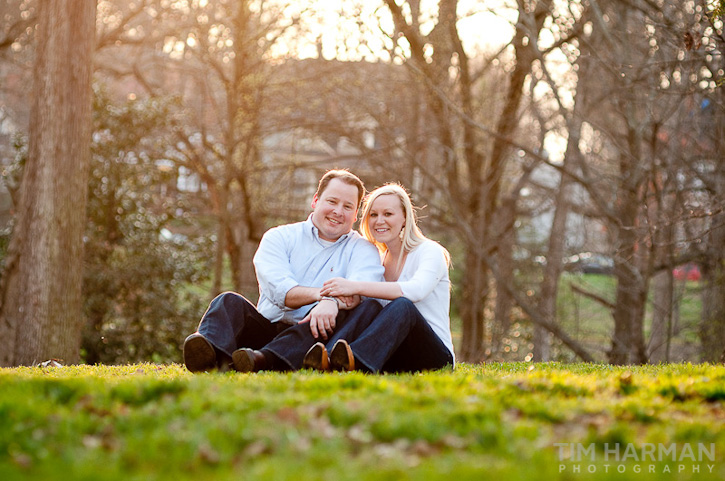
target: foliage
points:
(134, 298)
(495, 421)
(10, 178)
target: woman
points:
(412, 332)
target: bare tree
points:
(711, 130)
(646, 78)
(40, 307)
(483, 184)
(215, 57)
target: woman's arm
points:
(339, 286)
(430, 267)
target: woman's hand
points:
(338, 287)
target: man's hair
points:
(345, 176)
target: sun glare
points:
(362, 30)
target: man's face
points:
(335, 210)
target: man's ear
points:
(314, 201)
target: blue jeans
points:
(291, 345)
(232, 322)
(398, 339)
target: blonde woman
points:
(412, 332)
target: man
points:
(292, 263)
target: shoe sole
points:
(341, 357)
(199, 354)
(243, 360)
(316, 358)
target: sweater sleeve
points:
(431, 267)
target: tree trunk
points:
(558, 235)
(221, 244)
(528, 28)
(628, 338)
(41, 304)
(712, 324)
(554, 256)
(473, 297)
(663, 282)
(661, 331)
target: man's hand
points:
(349, 302)
(322, 318)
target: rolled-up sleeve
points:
(365, 263)
(432, 267)
(273, 268)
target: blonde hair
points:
(411, 233)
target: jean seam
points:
(359, 360)
(279, 356)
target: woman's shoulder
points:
(429, 247)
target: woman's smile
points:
(386, 219)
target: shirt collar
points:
(316, 232)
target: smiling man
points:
(292, 263)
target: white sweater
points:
(424, 281)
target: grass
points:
(497, 421)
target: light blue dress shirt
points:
(293, 255)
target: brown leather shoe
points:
(248, 360)
(199, 354)
(341, 357)
(317, 358)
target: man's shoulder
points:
(293, 228)
(358, 242)
(354, 237)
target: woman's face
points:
(386, 219)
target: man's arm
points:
(301, 296)
(365, 263)
(273, 269)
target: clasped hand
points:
(338, 287)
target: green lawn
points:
(497, 421)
